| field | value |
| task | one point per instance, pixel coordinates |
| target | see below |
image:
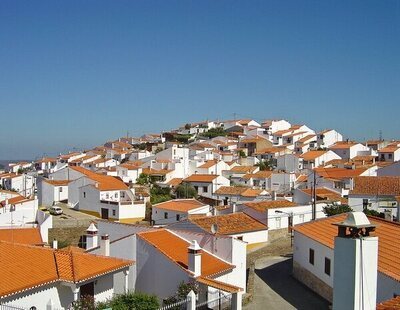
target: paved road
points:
(71, 218)
(275, 288)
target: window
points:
(327, 266)
(116, 195)
(278, 222)
(178, 217)
(240, 238)
(123, 193)
(113, 212)
(165, 215)
(390, 156)
(205, 189)
(196, 188)
(84, 194)
(60, 189)
(311, 257)
(301, 217)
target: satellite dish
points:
(214, 229)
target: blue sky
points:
(77, 73)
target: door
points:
(104, 213)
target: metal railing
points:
(9, 307)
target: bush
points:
(159, 194)
(215, 132)
(336, 209)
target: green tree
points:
(215, 132)
(143, 179)
(186, 190)
(241, 153)
(335, 208)
(373, 213)
(265, 165)
(159, 194)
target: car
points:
(55, 210)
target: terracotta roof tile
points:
(310, 155)
(391, 304)
(181, 205)
(229, 224)
(219, 285)
(105, 182)
(57, 182)
(382, 185)
(269, 204)
(176, 249)
(201, 178)
(21, 235)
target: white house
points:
(279, 214)
(313, 257)
(377, 193)
(390, 153)
(218, 265)
(176, 210)
(24, 184)
(328, 137)
(350, 149)
(206, 184)
(313, 159)
(289, 163)
(233, 194)
(45, 165)
(41, 277)
(129, 172)
(392, 169)
(52, 191)
(105, 196)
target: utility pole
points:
(314, 196)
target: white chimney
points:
(105, 245)
(355, 264)
(194, 258)
(233, 207)
(92, 239)
(55, 244)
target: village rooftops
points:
(180, 205)
(343, 145)
(229, 224)
(24, 267)
(324, 194)
(201, 178)
(104, 182)
(244, 169)
(261, 206)
(209, 164)
(239, 191)
(176, 249)
(391, 304)
(323, 232)
(376, 185)
(14, 200)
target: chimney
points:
(92, 239)
(105, 245)
(55, 244)
(233, 207)
(355, 263)
(273, 195)
(194, 258)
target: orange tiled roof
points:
(209, 164)
(230, 190)
(244, 169)
(339, 173)
(175, 182)
(391, 304)
(151, 171)
(57, 182)
(105, 182)
(201, 178)
(389, 149)
(343, 145)
(270, 204)
(388, 232)
(181, 205)
(176, 249)
(24, 267)
(21, 235)
(219, 285)
(262, 174)
(229, 224)
(249, 192)
(382, 185)
(310, 155)
(14, 200)
(323, 193)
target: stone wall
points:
(311, 281)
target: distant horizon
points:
(78, 73)
(88, 147)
